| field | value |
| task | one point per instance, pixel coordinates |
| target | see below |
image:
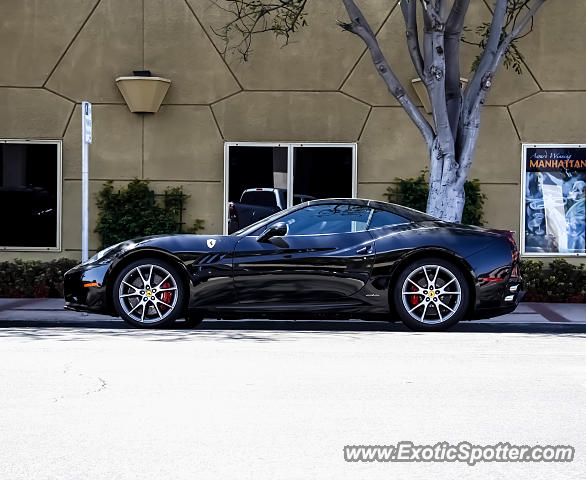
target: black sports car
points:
(347, 258)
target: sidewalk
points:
(51, 309)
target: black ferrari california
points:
(337, 258)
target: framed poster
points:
(553, 184)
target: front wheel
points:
(431, 295)
(149, 293)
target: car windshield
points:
(251, 228)
(327, 218)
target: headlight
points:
(102, 253)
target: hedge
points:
(136, 211)
(33, 278)
(560, 281)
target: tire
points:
(149, 293)
(431, 309)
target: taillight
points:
(232, 211)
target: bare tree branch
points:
(430, 13)
(480, 79)
(359, 26)
(516, 32)
(409, 9)
(455, 22)
(453, 36)
(251, 17)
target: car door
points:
(326, 256)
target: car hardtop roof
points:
(409, 213)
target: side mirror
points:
(279, 229)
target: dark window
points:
(28, 194)
(381, 218)
(321, 172)
(329, 218)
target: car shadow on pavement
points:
(257, 330)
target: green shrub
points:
(134, 211)
(33, 279)
(413, 192)
(560, 281)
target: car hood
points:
(185, 243)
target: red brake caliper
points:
(166, 297)
(413, 299)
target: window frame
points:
(290, 170)
(59, 144)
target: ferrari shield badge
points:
(211, 242)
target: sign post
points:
(86, 134)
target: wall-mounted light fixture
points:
(142, 92)
(421, 92)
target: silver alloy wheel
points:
(431, 294)
(144, 292)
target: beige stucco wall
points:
(322, 87)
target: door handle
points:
(364, 250)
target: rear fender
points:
(411, 256)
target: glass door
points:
(263, 178)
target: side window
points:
(329, 218)
(381, 218)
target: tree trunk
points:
(446, 196)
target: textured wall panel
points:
(556, 117)
(391, 146)
(176, 47)
(183, 142)
(555, 49)
(116, 151)
(34, 34)
(318, 58)
(304, 116)
(110, 45)
(498, 152)
(32, 113)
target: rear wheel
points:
(149, 293)
(431, 294)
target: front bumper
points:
(85, 288)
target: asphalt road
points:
(259, 400)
